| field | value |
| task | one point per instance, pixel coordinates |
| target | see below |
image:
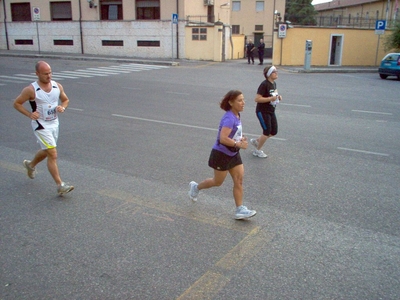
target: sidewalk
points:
(75, 56)
(178, 62)
(333, 69)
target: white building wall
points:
(43, 35)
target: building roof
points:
(341, 3)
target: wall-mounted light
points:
(225, 4)
(278, 18)
(92, 3)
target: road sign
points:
(380, 26)
(282, 31)
(36, 14)
(174, 18)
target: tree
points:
(300, 12)
(392, 41)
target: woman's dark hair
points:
(230, 96)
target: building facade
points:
(193, 29)
(357, 13)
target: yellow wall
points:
(359, 47)
(199, 50)
(238, 47)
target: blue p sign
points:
(380, 25)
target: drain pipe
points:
(5, 25)
(177, 30)
(80, 26)
(230, 39)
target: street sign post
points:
(380, 26)
(36, 14)
(174, 18)
(282, 31)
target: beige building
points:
(357, 13)
(330, 47)
(192, 29)
(256, 20)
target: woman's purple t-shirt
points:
(229, 120)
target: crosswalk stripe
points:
(105, 71)
(13, 77)
(80, 74)
(32, 77)
(89, 72)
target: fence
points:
(351, 22)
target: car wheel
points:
(383, 76)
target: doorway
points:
(335, 53)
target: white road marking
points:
(183, 125)
(363, 151)
(371, 112)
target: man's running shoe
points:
(31, 172)
(64, 188)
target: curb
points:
(92, 58)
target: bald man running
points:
(44, 96)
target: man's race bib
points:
(49, 112)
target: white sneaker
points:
(193, 190)
(64, 188)
(260, 153)
(31, 172)
(242, 212)
(254, 142)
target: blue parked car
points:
(390, 66)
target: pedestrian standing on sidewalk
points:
(267, 98)
(44, 96)
(225, 157)
(249, 51)
(261, 48)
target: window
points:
(258, 27)
(148, 43)
(111, 9)
(112, 43)
(23, 42)
(199, 34)
(148, 9)
(235, 5)
(235, 29)
(21, 12)
(259, 5)
(61, 11)
(63, 42)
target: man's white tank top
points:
(46, 104)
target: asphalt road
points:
(327, 197)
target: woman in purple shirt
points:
(225, 156)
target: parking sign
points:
(380, 26)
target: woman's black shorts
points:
(268, 122)
(223, 162)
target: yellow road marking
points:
(211, 282)
(13, 167)
(178, 210)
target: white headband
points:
(272, 69)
